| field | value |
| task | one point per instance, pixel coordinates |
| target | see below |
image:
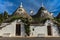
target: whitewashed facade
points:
(42, 31)
(10, 29)
(35, 31)
(16, 28)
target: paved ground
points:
(36, 38)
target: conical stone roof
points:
(38, 14)
(41, 15)
(21, 12)
(58, 16)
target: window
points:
(33, 29)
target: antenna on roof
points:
(21, 5)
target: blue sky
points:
(11, 5)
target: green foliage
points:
(1, 18)
(57, 19)
(27, 30)
(5, 15)
(25, 21)
(14, 18)
(26, 24)
(1, 15)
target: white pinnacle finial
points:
(21, 5)
(31, 12)
(42, 4)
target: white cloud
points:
(5, 5)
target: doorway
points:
(49, 30)
(18, 29)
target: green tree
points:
(1, 18)
(5, 15)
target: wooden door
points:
(49, 30)
(18, 29)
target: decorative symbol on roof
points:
(21, 5)
(31, 12)
(42, 4)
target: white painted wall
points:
(54, 28)
(38, 31)
(22, 30)
(41, 31)
(11, 28)
(55, 31)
